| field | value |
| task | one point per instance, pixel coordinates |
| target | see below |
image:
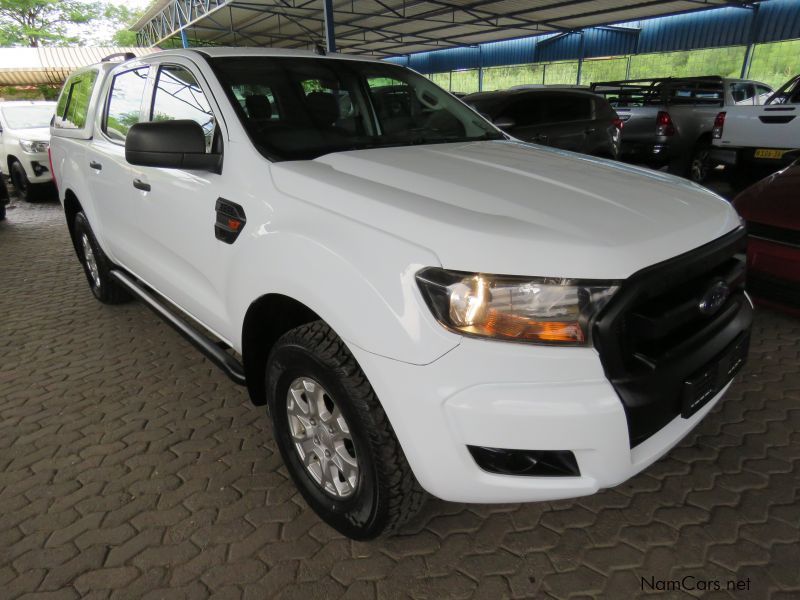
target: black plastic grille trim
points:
(649, 341)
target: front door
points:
(176, 209)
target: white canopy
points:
(51, 65)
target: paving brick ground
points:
(131, 468)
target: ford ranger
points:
(423, 303)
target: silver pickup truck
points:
(669, 121)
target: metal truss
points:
(175, 17)
(431, 24)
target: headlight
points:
(34, 146)
(524, 309)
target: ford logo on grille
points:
(714, 298)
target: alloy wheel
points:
(321, 437)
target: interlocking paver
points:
(131, 468)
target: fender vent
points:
(230, 220)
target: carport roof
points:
(391, 27)
(52, 64)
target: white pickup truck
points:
(24, 139)
(423, 302)
(760, 136)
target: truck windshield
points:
(28, 117)
(302, 108)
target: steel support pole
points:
(184, 39)
(751, 42)
(480, 68)
(330, 33)
(581, 51)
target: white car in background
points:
(24, 141)
(760, 136)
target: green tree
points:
(44, 22)
(121, 18)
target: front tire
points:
(22, 185)
(96, 265)
(334, 436)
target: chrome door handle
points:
(141, 185)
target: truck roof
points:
(253, 52)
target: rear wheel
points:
(700, 164)
(96, 264)
(334, 436)
(22, 185)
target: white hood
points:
(513, 208)
(34, 134)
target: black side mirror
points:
(504, 122)
(177, 144)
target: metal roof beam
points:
(389, 35)
(607, 11)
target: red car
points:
(771, 208)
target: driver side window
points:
(177, 95)
(124, 103)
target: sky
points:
(98, 33)
(130, 3)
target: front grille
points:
(770, 233)
(654, 339)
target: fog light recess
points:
(531, 463)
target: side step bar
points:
(213, 351)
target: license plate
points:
(769, 153)
(706, 383)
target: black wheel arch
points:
(266, 320)
(72, 207)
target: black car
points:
(570, 119)
(3, 197)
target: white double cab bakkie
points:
(760, 136)
(24, 139)
(424, 304)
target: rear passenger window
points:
(763, 94)
(569, 108)
(526, 111)
(743, 93)
(178, 96)
(124, 103)
(73, 104)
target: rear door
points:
(527, 112)
(569, 120)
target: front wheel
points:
(334, 436)
(21, 183)
(96, 264)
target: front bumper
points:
(37, 167)
(505, 395)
